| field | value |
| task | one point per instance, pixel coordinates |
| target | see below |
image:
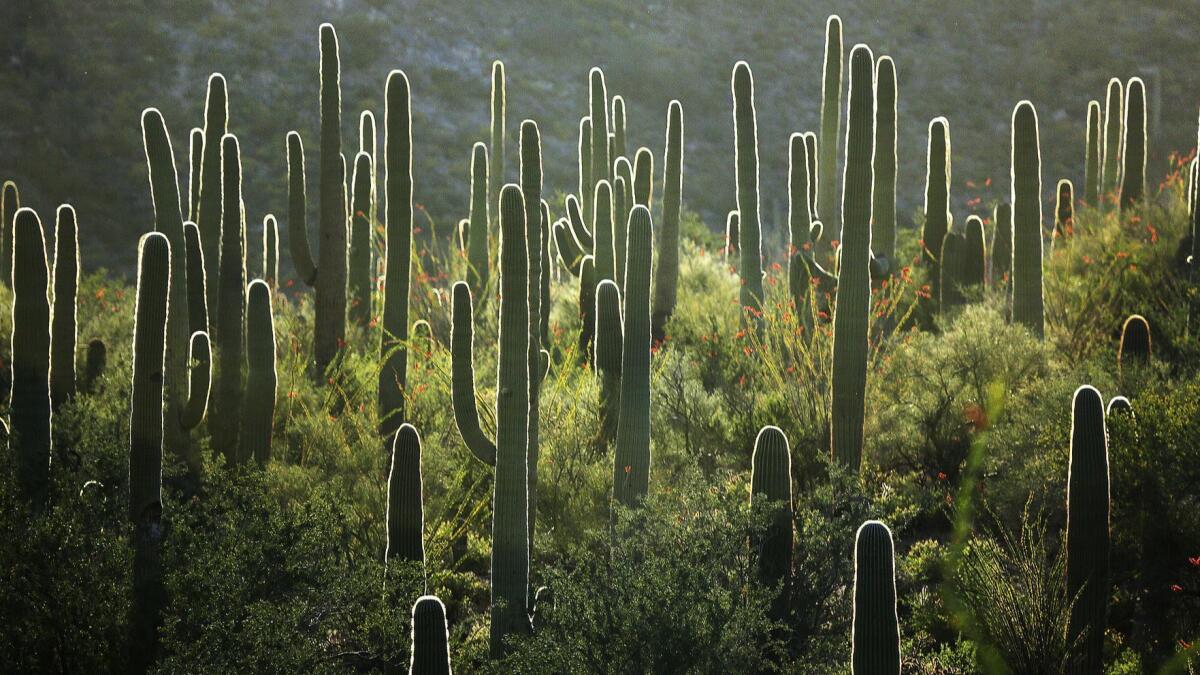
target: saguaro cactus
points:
(1064, 209)
(643, 178)
(197, 302)
(974, 254)
(29, 410)
(1135, 342)
(258, 405)
(771, 481)
(329, 325)
(1026, 181)
(477, 231)
(270, 247)
(531, 190)
(1093, 156)
(362, 206)
(852, 305)
(398, 227)
(498, 138)
(618, 127)
(937, 195)
(732, 235)
(208, 209)
(63, 327)
(609, 346)
(745, 135)
(814, 176)
(631, 475)
(1114, 121)
(1087, 541)
(831, 120)
(952, 259)
(875, 648)
(195, 161)
(405, 507)
(602, 163)
(883, 203)
(146, 443)
(10, 201)
(799, 223)
(1002, 240)
(94, 363)
(602, 231)
(430, 638)
(1133, 148)
(231, 308)
(666, 273)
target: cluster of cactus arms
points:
(631, 469)
(362, 205)
(1064, 209)
(1027, 307)
(63, 327)
(875, 646)
(477, 228)
(1002, 240)
(745, 133)
(1093, 157)
(831, 120)
(10, 202)
(771, 482)
(398, 230)
(666, 271)
(1114, 127)
(1133, 144)
(29, 409)
(405, 510)
(852, 304)
(883, 204)
(430, 652)
(1088, 539)
(937, 198)
(258, 404)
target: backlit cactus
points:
(875, 648)
(29, 410)
(1064, 209)
(666, 271)
(608, 354)
(814, 175)
(270, 248)
(587, 307)
(477, 230)
(231, 309)
(632, 466)
(643, 178)
(1027, 308)
(1087, 541)
(1114, 126)
(622, 205)
(745, 127)
(937, 196)
(771, 482)
(732, 235)
(618, 128)
(602, 230)
(258, 404)
(208, 209)
(359, 281)
(329, 324)
(952, 262)
(197, 301)
(586, 184)
(1093, 155)
(398, 228)
(10, 202)
(883, 204)
(831, 121)
(598, 97)
(499, 117)
(430, 638)
(63, 326)
(852, 304)
(531, 190)
(1135, 341)
(799, 223)
(195, 161)
(974, 265)
(405, 507)
(1133, 144)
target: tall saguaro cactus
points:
(852, 305)
(10, 202)
(29, 410)
(405, 508)
(745, 134)
(258, 405)
(362, 206)
(632, 466)
(771, 481)
(831, 117)
(1027, 308)
(146, 443)
(1133, 148)
(430, 638)
(883, 203)
(477, 231)
(231, 308)
(1114, 126)
(1087, 541)
(63, 327)
(208, 209)
(1093, 156)
(666, 273)
(398, 227)
(531, 190)
(937, 195)
(876, 638)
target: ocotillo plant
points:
(531, 190)
(609, 344)
(398, 228)
(258, 404)
(875, 647)
(1133, 147)
(477, 230)
(852, 305)
(146, 442)
(602, 163)
(197, 302)
(1064, 209)
(732, 235)
(231, 308)
(1027, 308)
(771, 482)
(360, 263)
(1093, 156)
(666, 271)
(405, 508)
(270, 248)
(208, 209)
(29, 410)
(883, 202)
(10, 202)
(631, 475)
(618, 128)
(745, 129)
(799, 225)
(587, 307)
(94, 363)
(430, 638)
(643, 178)
(498, 133)
(1087, 541)
(974, 267)
(831, 121)
(62, 328)
(1002, 241)
(1114, 121)
(937, 196)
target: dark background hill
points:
(74, 77)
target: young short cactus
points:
(1027, 306)
(666, 271)
(732, 235)
(974, 265)
(258, 404)
(1135, 341)
(937, 196)
(398, 228)
(430, 638)
(852, 305)
(405, 508)
(63, 326)
(1064, 209)
(270, 248)
(875, 646)
(1002, 240)
(10, 202)
(631, 473)
(1087, 541)
(231, 308)
(1093, 156)
(643, 178)
(1114, 127)
(360, 282)
(609, 345)
(29, 410)
(831, 120)
(952, 262)
(1133, 148)
(750, 296)
(477, 230)
(883, 203)
(771, 482)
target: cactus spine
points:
(598, 96)
(632, 465)
(852, 305)
(231, 308)
(831, 120)
(1114, 120)
(1087, 541)
(1064, 210)
(1093, 156)
(405, 510)
(746, 143)
(430, 638)
(883, 203)
(258, 405)
(875, 648)
(1133, 148)
(799, 222)
(360, 263)
(498, 112)
(270, 247)
(208, 210)
(477, 231)
(974, 267)
(937, 197)
(29, 410)
(1026, 181)
(10, 202)
(1002, 240)
(666, 273)
(643, 178)
(63, 327)
(771, 481)
(609, 345)
(398, 220)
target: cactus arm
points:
(231, 309)
(477, 231)
(883, 208)
(1133, 149)
(1092, 156)
(1114, 119)
(584, 236)
(298, 244)
(498, 138)
(197, 299)
(270, 249)
(618, 127)
(799, 222)
(587, 307)
(631, 471)
(598, 96)
(750, 296)
(569, 249)
(643, 178)
(666, 273)
(29, 409)
(63, 331)
(10, 202)
(462, 377)
(208, 209)
(258, 405)
(199, 380)
(360, 264)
